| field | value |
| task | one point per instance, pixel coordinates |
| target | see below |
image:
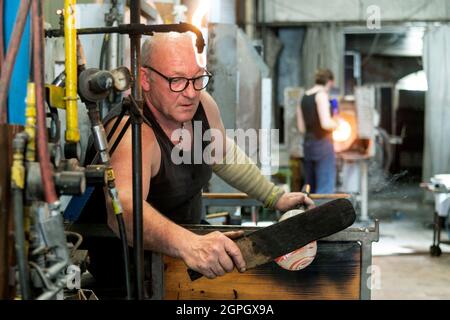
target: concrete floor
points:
(405, 269)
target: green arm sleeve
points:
(240, 172)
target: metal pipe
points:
(8, 64)
(38, 65)
(125, 253)
(313, 196)
(47, 295)
(138, 229)
(250, 18)
(17, 186)
(70, 39)
(30, 122)
(56, 269)
(264, 29)
(138, 29)
(364, 191)
(116, 142)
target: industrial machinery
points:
(48, 262)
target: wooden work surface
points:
(334, 274)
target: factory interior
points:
(334, 113)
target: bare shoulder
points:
(321, 97)
(151, 152)
(147, 132)
(321, 94)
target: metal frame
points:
(208, 202)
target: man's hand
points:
(293, 200)
(214, 254)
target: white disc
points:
(300, 258)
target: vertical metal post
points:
(364, 190)
(138, 241)
(157, 276)
(366, 262)
(264, 29)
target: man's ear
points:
(145, 82)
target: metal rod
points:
(138, 229)
(245, 196)
(111, 133)
(125, 253)
(135, 28)
(47, 295)
(364, 191)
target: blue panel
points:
(18, 84)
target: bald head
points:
(160, 47)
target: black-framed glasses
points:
(178, 84)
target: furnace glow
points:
(342, 132)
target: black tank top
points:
(176, 189)
(311, 119)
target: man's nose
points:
(190, 92)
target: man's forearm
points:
(212, 254)
(160, 234)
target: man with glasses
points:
(173, 88)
